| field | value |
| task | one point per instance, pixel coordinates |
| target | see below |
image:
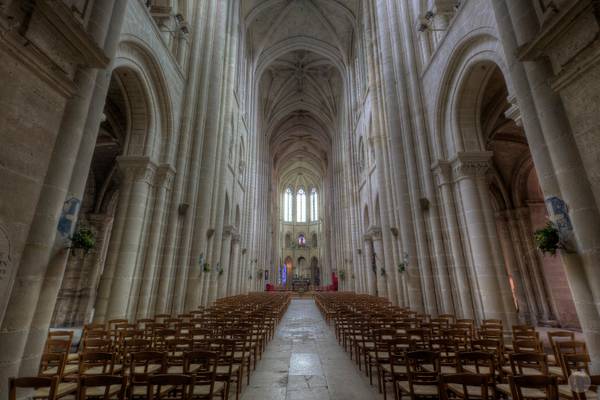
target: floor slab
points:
(305, 362)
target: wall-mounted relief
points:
(5, 269)
(68, 217)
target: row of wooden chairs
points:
(421, 356)
(181, 357)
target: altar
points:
(301, 284)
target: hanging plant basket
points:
(206, 267)
(547, 239)
(83, 239)
(382, 271)
(342, 275)
(401, 267)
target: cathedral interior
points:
(299, 199)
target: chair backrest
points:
(544, 383)
(202, 365)
(531, 345)
(482, 362)
(492, 346)
(146, 363)
(52, 364)
(575, 362)
(29, 383)
(467, 381)
(417, 375)
(521, 362)
(58, 346)
(179, 382)
(108, 387)
(96, 363)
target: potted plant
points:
(83, 239)
(342, 274)
(206, 267)
(547, 239)
(383, 273)
(219, 269)
(401, 267)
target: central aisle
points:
(304, 361)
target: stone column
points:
(221, 281)
(164, 181)
(382, 289)
(520, 223)
(371, 278)
(459, 268)
(509, 244)
(234, 266)
(469, 172)
(557, 161)
(139, 175)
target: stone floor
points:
(305, 362)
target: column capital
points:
(443, 172)
(165, 175)
(514, 111)
(137, 169)
(471, 164)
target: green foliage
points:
(401, 267)
(83, 239)
(342, 274)
(382, 271)
(206, 267)
(547, 239)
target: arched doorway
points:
(502, 203)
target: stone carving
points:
(68, 218)
(137, 169)
(471, 165)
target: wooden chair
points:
(168, 387)
(526, 387)
(202, 365)
(44, 387)
(523, 364)
(240, 358)
(141, 366)
(575, 363)
(422, 383)
(557, 336)
(466, 386)
(96, 363)
(105, 387)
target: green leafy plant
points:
(382, 271)
(401, 267)
(220, 269)
(547, 239)
(206, 267)
(83, 239)
(353, 277)
(342, 274)
(250, 277)
(259, 275)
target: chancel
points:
(299, 199)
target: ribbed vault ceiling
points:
(300, 49)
